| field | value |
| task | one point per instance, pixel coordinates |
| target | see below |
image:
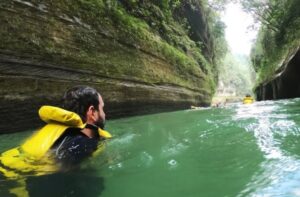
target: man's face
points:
(100, 115)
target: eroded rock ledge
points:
(37, 84)
(286, 82)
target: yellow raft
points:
(31, 157)
(248, 100)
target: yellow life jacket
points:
(248, 100)
(31, 155)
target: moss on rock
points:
(118, 47)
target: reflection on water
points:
(238, 150)
(58, 184)
(71, 184)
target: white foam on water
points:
(172, 164)
(146, 159)
(174, 146)
(124, 139)
(279, 174)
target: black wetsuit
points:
(73, 147)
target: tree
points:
(278, 34)
(219, 5)
(268, 12)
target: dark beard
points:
(100, 124)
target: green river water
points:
(237, 150)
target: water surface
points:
(238, 150)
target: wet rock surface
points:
(26, 86)
(49, 47)
(285, 84)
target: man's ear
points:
(90, 112)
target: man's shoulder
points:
(70, 133)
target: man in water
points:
(77, 144)
(72, 134)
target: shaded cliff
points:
(143, 57)
(276, 54)
(285, 83)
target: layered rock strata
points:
(46, 48)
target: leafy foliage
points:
(219, 5)
(278, 36)
(191, 27)
(268, 12)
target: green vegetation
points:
(236, 75)
(278, 35)
(152, 42)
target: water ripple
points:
(279, 174)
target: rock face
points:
(285, 84)
(275, 54)
(48, 47)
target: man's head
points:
(87, 103)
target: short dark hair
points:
(79, 98)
